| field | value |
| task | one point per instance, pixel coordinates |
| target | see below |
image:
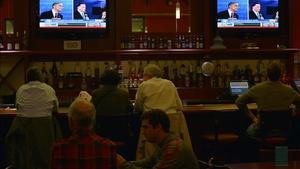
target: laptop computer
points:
(238, 87)
(296, 84)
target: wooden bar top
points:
(186, 108)
(265, 165)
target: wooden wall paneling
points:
(122, 20)
(6, 11)
(295, 24)
(197, 19)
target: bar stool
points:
(223, 136)
(275, 129)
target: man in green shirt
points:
(269, 95)
(171, 152)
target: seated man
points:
(171, 152)
(84, 149)
(269, 95)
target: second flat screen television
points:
(73, 16)
(248, 14)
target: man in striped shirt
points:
(83, 149)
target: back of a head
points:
(34, 74)
(274, 71)
(152, 70)
(110, 77)
(157, 116)
(82, 113)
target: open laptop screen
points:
(238, 87)
(296, 84)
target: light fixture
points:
(177, 13)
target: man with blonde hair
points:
(158, 93)
(83, 149)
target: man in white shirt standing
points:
(33, 131)
(255, 12)
(158, 93)
(80, 13)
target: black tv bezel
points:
(71, 33)
(250, 32)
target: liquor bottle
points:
(140, 70)
(88, 70)
(248, 74)
(141, 43)
(227, 75)
(174, 72)
(236, 72)
(17, 41)
(97, 70)
(25, 41)
(1, 41)
(257, 75)
(201, 41)
(83, 83)
(9, 43)
(131, 70)
(77, 67)
(106, 66)
(166, 70)
(45, 73)
(197, 42)
(54, 70)
(54, 73)
(60, 82)
(199, 75)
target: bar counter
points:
(187, 109)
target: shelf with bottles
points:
(148, 54)
(68, 78)
(14, 42)
(162, 41)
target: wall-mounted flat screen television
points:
(245, 15)
(73, 16)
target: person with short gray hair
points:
(152, 70)
(158, 93)
(98, 151)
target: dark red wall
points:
(159, 22)
(295, 36)
(120, 24)
(6, 11)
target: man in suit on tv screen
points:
(255, 12)
(80, 12)
(231, 12)
(54, 13)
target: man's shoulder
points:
(94, 138)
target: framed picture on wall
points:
(9, 26)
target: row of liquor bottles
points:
(14, 41)
(183, 73)
(150, 41)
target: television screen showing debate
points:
(90, 14)
(263, 14)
